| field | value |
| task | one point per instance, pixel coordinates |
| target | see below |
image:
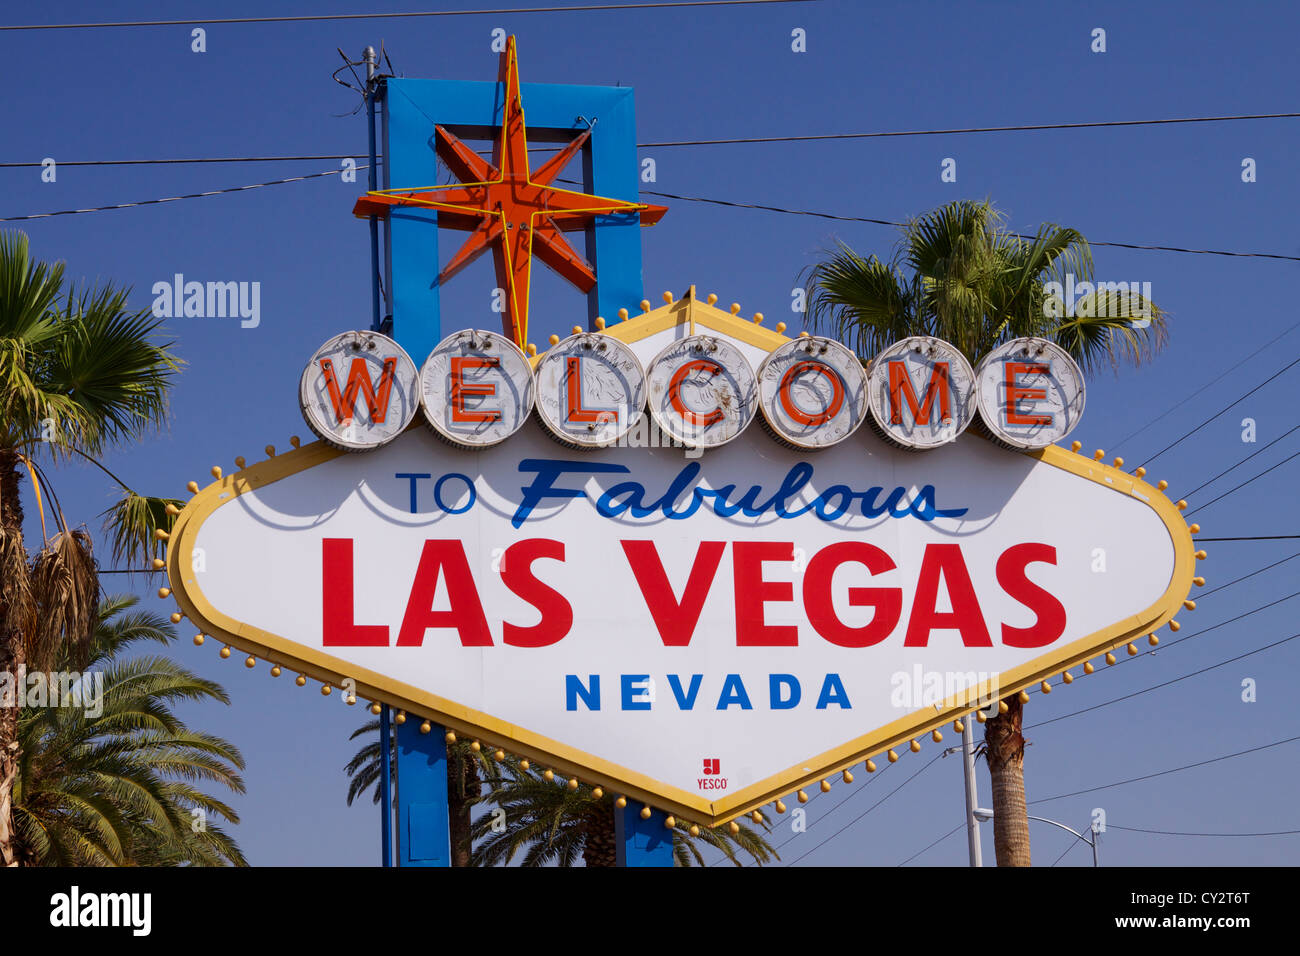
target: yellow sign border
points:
(572, 762)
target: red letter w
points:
(345, 405)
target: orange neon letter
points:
(689, 415)
(345, 405)
(900, 385)
(576, 412)
(797, 413)
(460, 390)
(1015, 393)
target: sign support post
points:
(385, 786)
(972, 798)
(642, 842)
(423, 837)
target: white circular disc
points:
(476, 388)
(922, 392)
(702, 391)
(1030, 393)
(590, 390)
(813, 392)
(359, 390)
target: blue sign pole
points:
(423, 836)
(555, 113)
(411, 108)
(373, 91)
(642, 842)
(386, 785)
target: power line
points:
(1240, 463)
(891, 222)
(932, 845)
(1222, 410)
(1074, 842)
(854, 821)
(1200, 390)
(1205, 594)
(648, 192)
(1243, 484)
(1255, 537)
(586, 8)
(183, 161)
(850, 792)
(1180, 641)
(1183, 833)
(1146, 690)
(972, 129)
(154, 202)
(1161, 773)
(766, 208)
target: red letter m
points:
(345, 405)
(900, 388)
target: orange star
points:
(504, 207)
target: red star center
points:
(505, 207)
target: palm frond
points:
(132, 524)
(65, 586)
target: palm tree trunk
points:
(463, 786)
(601, 845)
(1005, 751)
(13, 568)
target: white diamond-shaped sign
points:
(704, 631)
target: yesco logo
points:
(360, 390)
(712, 779)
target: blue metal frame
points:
(552, 113)
(386, 786)
(640, 842)
(423, 838)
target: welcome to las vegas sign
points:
(790, 565)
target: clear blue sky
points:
(703, 73)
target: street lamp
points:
(984, 815)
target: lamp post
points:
(982, 815)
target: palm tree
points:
(467, 769)
(552, 822)
(546, 820)
(79, 374)
(117, 780)
(959, 275)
